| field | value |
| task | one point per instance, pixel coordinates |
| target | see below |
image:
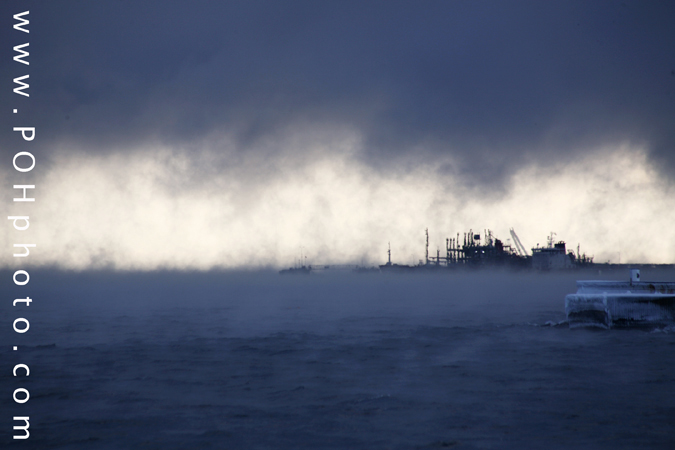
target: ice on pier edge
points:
(630, 302)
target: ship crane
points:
(519, 246)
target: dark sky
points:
(496, 85)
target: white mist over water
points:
(260, 303)
(167, 208)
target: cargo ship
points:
(476, 251)
(473, 251)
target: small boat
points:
(302, 270)
(633, 303)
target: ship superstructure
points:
(475, 250)
(471, 250)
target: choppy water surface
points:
(342, 361)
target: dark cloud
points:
(494, 85)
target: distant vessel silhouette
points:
(302, 270)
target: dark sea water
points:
(173, 360)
